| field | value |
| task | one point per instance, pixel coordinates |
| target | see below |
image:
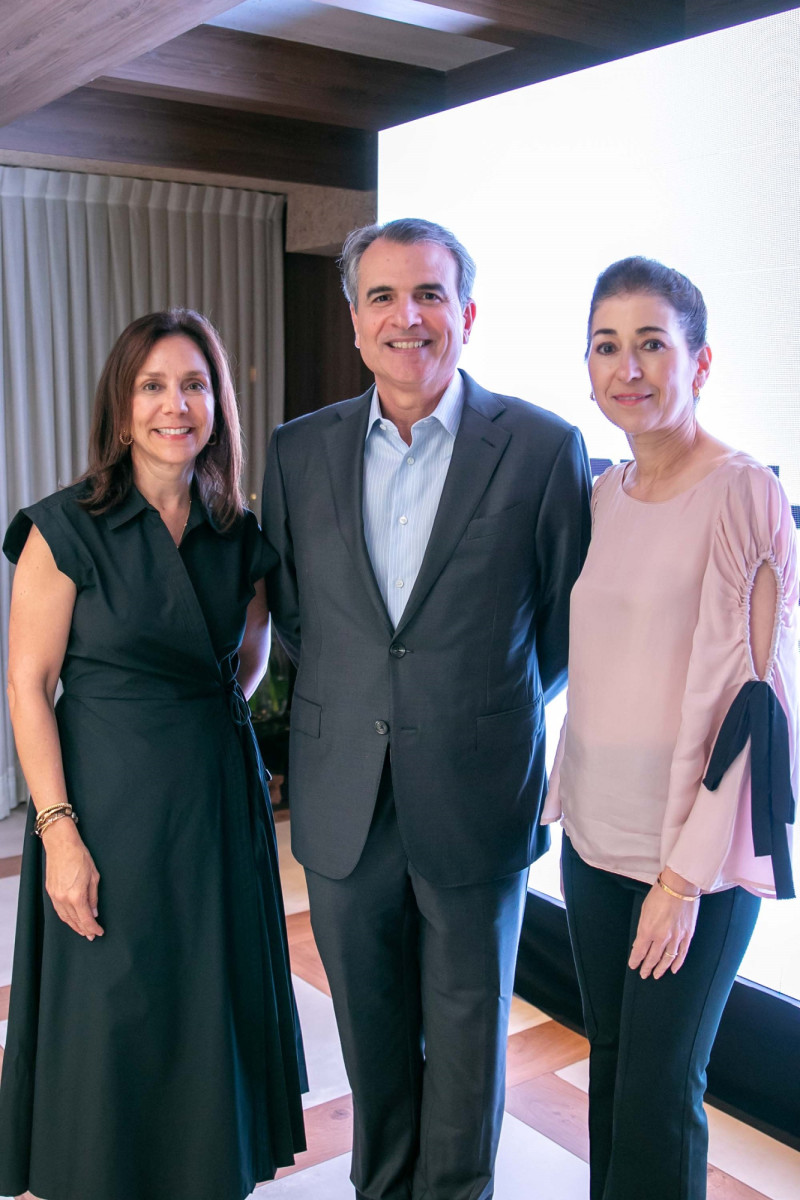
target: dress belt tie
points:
(240, 709)
(756, 714)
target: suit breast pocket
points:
(493, 523)
(306, 716)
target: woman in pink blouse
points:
(676, 770)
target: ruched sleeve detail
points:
(728, 813)
(58, 518)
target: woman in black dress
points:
(153, 1051)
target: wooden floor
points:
(535, 1093)
(545, 1132)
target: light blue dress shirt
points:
(402, 488)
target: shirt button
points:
(397, 650)
(398, 583)
(410, 460)
(381, 727)
(404, 520)
(382, 426)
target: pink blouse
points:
(659, 648)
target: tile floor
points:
(543, 1147)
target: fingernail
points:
(90, 937)
(94, 912)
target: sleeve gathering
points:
(734, 772)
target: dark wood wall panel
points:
(112, 127)
(322, 363)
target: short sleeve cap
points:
(58, 518)
(260, 555)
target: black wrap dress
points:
(163, 1060)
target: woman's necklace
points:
(185, 523)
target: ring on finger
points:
(667, 954)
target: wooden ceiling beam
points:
(619, 26)
(707, 16)
(225, 68)
(50, 47)
(519, 68)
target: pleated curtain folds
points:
(80, 257)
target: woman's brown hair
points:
(218, 466)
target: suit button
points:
(397, 650)
(381, 727)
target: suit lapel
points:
(344, 446)
(478, 448)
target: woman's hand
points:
(71, 878)
(666, 927)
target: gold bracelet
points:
(677, 895)
(52, 820)
(60, 807)
(53, 813)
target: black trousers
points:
(421, 978)
(650, 1038)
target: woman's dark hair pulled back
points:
(636, 274)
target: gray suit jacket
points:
(457, 690)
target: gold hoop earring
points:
(126, 439)
(212, 441)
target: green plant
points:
(269, 703)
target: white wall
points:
(689, 154)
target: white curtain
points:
(80, 257)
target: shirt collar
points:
(447, 412)
(135, 503)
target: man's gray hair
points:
(406, 231)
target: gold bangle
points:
(62, 806)
(678, 895)
(52, 820)
(54, 813)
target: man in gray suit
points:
(429, 535)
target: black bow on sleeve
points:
(756, 713)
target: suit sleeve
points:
(281, 580)
(562, 539)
